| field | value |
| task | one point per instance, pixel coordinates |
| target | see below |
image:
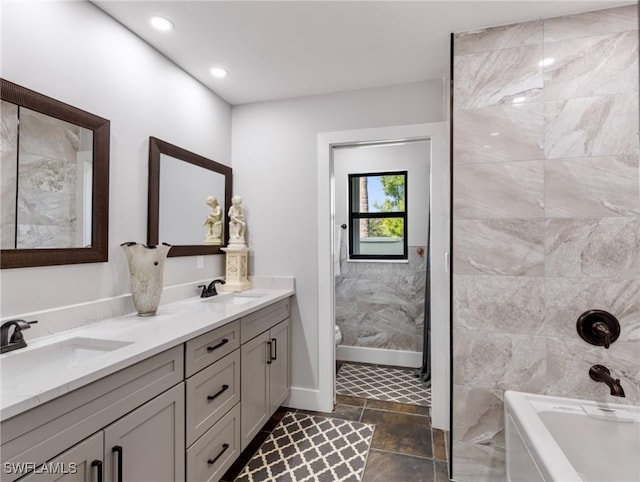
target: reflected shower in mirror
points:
(47, 166)
(54, 181)
(188, 198)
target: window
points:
(378, 215)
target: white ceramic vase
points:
(146, 267)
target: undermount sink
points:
(234, 298)
(48, 359)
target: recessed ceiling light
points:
(547, 61)
(518, 100)
(161, 23)
(493, 134)
(219, 72)
(487, 146)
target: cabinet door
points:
(254, 394)
(279, 368)
(81, 463)
(148, 444)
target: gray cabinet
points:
(212, 403)
(81, 463)
(45, 432)
(279, 371)
(213, 453)
(148, 444)
(186, 412)
(265, 378)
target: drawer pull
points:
(97, 464)
(269, 359)
(275, 349)
(215, 347)
(224, 388)
(215, 459)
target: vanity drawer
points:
(211, 393)
(210, 457)
(260, 321)
(210, 347)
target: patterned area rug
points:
(305, 448)
(382, 383)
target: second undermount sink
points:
(234, 298)
(46, 360)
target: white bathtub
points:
(566, 440)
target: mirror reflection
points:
(47, 172)
(191, 203)
(188, 199)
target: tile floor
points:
(405, 448)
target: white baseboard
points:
(379, 356)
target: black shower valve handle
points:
(598, 328)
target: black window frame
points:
(394, 214)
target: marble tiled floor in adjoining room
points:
(405, 448)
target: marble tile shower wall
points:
(381, 305)
(546, 217)
(42, 163)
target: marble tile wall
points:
(381, 305)
(8, 174)
(46, 212)
(546, 218)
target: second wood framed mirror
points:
(185, 190)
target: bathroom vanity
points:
(172, 397)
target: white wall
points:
(275, 167)
(73, 52)
(412, 157)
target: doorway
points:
(436, 134)
(381, 229)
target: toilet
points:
(337, 335)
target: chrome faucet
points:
(600, 373)
(17, 339)
(210, 290)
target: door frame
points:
(439, 178)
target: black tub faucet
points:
(17, 339)
(600, 373)
(210, 290)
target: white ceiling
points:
(282, 49)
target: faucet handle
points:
(603, 330)
(598, 327)
(204, 292)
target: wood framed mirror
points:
(182, 185)
(55, 181)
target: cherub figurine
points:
(213, 222)
(237, 224)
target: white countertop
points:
(24, 388)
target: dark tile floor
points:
(405, 448)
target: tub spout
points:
(600, 373)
